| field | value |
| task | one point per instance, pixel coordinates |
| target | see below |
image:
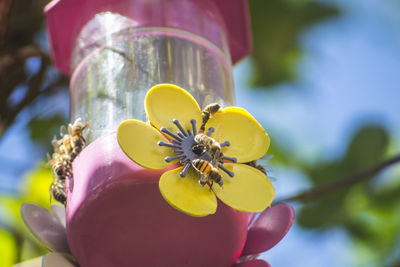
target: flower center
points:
(198, 150)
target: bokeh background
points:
(324, 81)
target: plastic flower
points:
(170, 138)
(49, 230)
(264, 233)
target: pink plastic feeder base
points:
(116, 216)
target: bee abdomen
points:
(202, 165)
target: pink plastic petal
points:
(58, 211)
(253, 263)
(269, 228)
(45, 227)
(56, 259)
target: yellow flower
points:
(170, 108)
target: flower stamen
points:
(185, 170)
(180, 156)
(232, 159)
(164, 130)
(161, 143)
(231, 174)
(226, 143)
(176, 122)
(197, 147)
(210, 131)
(193, 122)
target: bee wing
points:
(63, 130)
(70, 128)
(55, 144)
(268, 157)
(86, 131)
(49, 158)
(217, 134)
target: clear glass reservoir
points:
(114, 64)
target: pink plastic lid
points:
(207, 18)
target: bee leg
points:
(202, 179)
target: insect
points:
(65, 149)
(57, 191)
(60, 163)
(259, 167)
(77, 140)
(207, 172)
(207, 144)
(207, 113)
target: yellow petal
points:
(248, 140)
(139, 142)
(249, 190)
(186, 194)
(165, 102)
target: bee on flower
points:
(215, 155)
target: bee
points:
(57, 191)
(207, 172)
(206, 143)
(207, 113)
(259, 167)
(75, 131)
(65, 149)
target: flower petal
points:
(165, 102)
(249, 190)
(139, 142)
(186, 194)
(253, 263)
(269, 228)
(45, 227)
(248, 140)
(59, 212)
(56, 259)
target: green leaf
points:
(43, 129)
(368, 147)
(276, 27)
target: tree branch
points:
(342, 182)
(12, 74)
(5, 8)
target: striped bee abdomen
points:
(202, 165)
